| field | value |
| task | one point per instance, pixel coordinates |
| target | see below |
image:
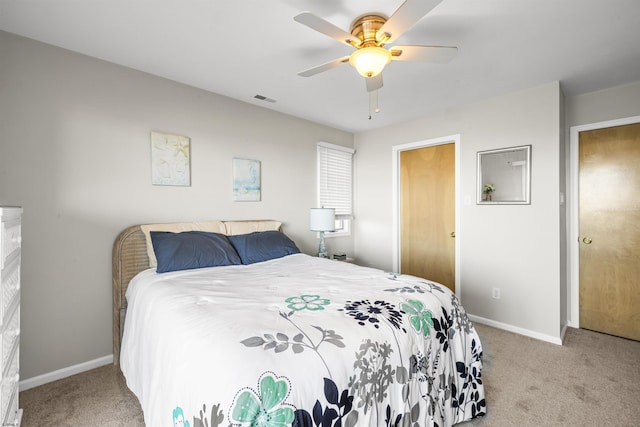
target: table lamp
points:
(322, 220)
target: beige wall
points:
(610, 104)
(74, 152)
(512, 247)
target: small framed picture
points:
(170, 159)
(246, 180)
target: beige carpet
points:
(98, 397)
(592, 380)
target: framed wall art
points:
(170, 159)
(246, 180)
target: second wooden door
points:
(609, 172)
(427, 213)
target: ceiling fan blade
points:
(437, 54)
(374, 83)
(324, 67)
(327, 28)
(405, 17)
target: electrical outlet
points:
(495, 293)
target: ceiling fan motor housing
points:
(370, 57)
(365, 29)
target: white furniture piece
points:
(10, 244)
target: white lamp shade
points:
(370, 61)
(322, 219)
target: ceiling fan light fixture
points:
(370, 61)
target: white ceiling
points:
(240, 48)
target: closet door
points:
(427, 213)
(609, 182)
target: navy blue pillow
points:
(263, 246)
(192, 249)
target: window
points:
(335, 183)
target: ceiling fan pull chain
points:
(373, 103)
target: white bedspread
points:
(299, 341)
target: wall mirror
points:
(504, 176)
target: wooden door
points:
(427, 213)
(609, 179)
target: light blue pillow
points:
(192, 249)
(263, 246)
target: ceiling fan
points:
(369, 34)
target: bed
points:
(274, 337)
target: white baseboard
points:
(563, 331)
(573, 324)
(516, 330)
(64, 372)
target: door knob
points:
(586, 240)
(453, 234)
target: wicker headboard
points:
(130, 257)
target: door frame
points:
(573, 297)
(396, 150)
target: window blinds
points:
(335, 176)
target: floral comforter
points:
(299, 341)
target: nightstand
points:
(347, 259)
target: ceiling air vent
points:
(264, 98)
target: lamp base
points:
(322, 250)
